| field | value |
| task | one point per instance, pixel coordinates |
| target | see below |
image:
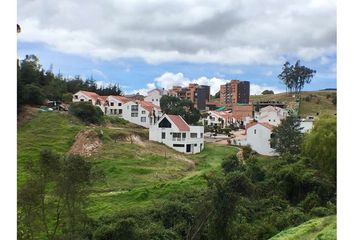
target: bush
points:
(247, 151)
(33, 95)
(230, 164)
(67, 97)
(307, 98)
(86, 112)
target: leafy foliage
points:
(183, 107)
(86, 112)
(265, 92)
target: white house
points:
(155, 95)
(174, 132)
(141, 113)
(114, 105)
(219, 118)
(94, 98)
(258, 137)
(271, 115)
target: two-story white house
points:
(271, 115)
(114, 105)
(258, 137)
(174, 132)
(141, 113)
(154, 96)
(94, 98)
(219, 118)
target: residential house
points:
(141, 113)
(258, 137)
(154, 96)
(94, 98)
(272, 115)
(174, 132)
(114, 105)
(219, 118)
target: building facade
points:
(258, 137)
(174, 132)
(154, 96)
(197, 94)
(235, 91)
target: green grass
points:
(315, 229)
(319, 103)
(48, 130)
(137, 175)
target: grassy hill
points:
(137, 173)
(312, 102)
(319, 228)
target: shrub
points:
(307, 98)
(67, 97)
(230, 164)
(33, 94)
(86, 112)
(247, 151)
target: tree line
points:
(35, 84)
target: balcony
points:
(178, 139)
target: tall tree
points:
(296, 76)
(320, 145)
(185, 108)
(286, 137)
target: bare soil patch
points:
(87, 142)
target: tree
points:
(286, 138)
(296, 76)
(265, 92)
(185, 108)
(217, 95)
(320, 145)
(86, 112)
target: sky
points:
(141, 45)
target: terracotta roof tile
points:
(121, 98)
(179, 122)
(148, 105)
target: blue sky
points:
(157, 47)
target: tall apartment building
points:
(198, 94)
(235, 91)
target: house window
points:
(115, 111)
(194, 135)
(111, 110)
(90, 100)
(134, 114)
(157, 100)
(76, 97)
(112, 104)
(135, 108)
(120, 111)
(201, 135)
(143, 119)
(119, 104)
(184, 135)
(195, 145)
(152, 99)
(255, 131)
(163, 135)
(176, 135)
(178, 145)
(81, 100)
(143, 112)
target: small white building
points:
(141, 113)
(219, 118)
(154, 96)
(271, 115)
(258, 137)
(114, 105)
(174, 132)
(94, 98)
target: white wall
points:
(258, 138)
(137, 117)
(306, 125)
(116, 109)
(197, 144)
(154, 97)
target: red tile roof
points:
(148, 105)
(179, 122)
(121, 98)
(92, 95)
(267, 125)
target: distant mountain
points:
(328, 89)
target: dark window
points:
(178, 145)
(194, 135)
(76, 96)
(165, 123)
(134, 108)
(112, 104)
(255, 131)
(119, 104)
(115, 111)
(143, 119)
(201, 135)
(163, 135)
(183, 135)
(81, 100)
(120, 111)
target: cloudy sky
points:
(146, 44)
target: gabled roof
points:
(267, 125)
(92, 95)
(120, 98)
(156, 89)
(148, 105)
(179, 122)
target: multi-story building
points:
(174, 132)
(198, 94)
(235, 91)
(154, 96)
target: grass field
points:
(319, 228)
(318, 101)
(137, 174)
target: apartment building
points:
(198, 94)
(235, 91)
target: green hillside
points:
(319, 228)
(312, 102)
(137, 173)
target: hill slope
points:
(312, 102)
(319, 228)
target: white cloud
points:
(199, 31)
(258, 89)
